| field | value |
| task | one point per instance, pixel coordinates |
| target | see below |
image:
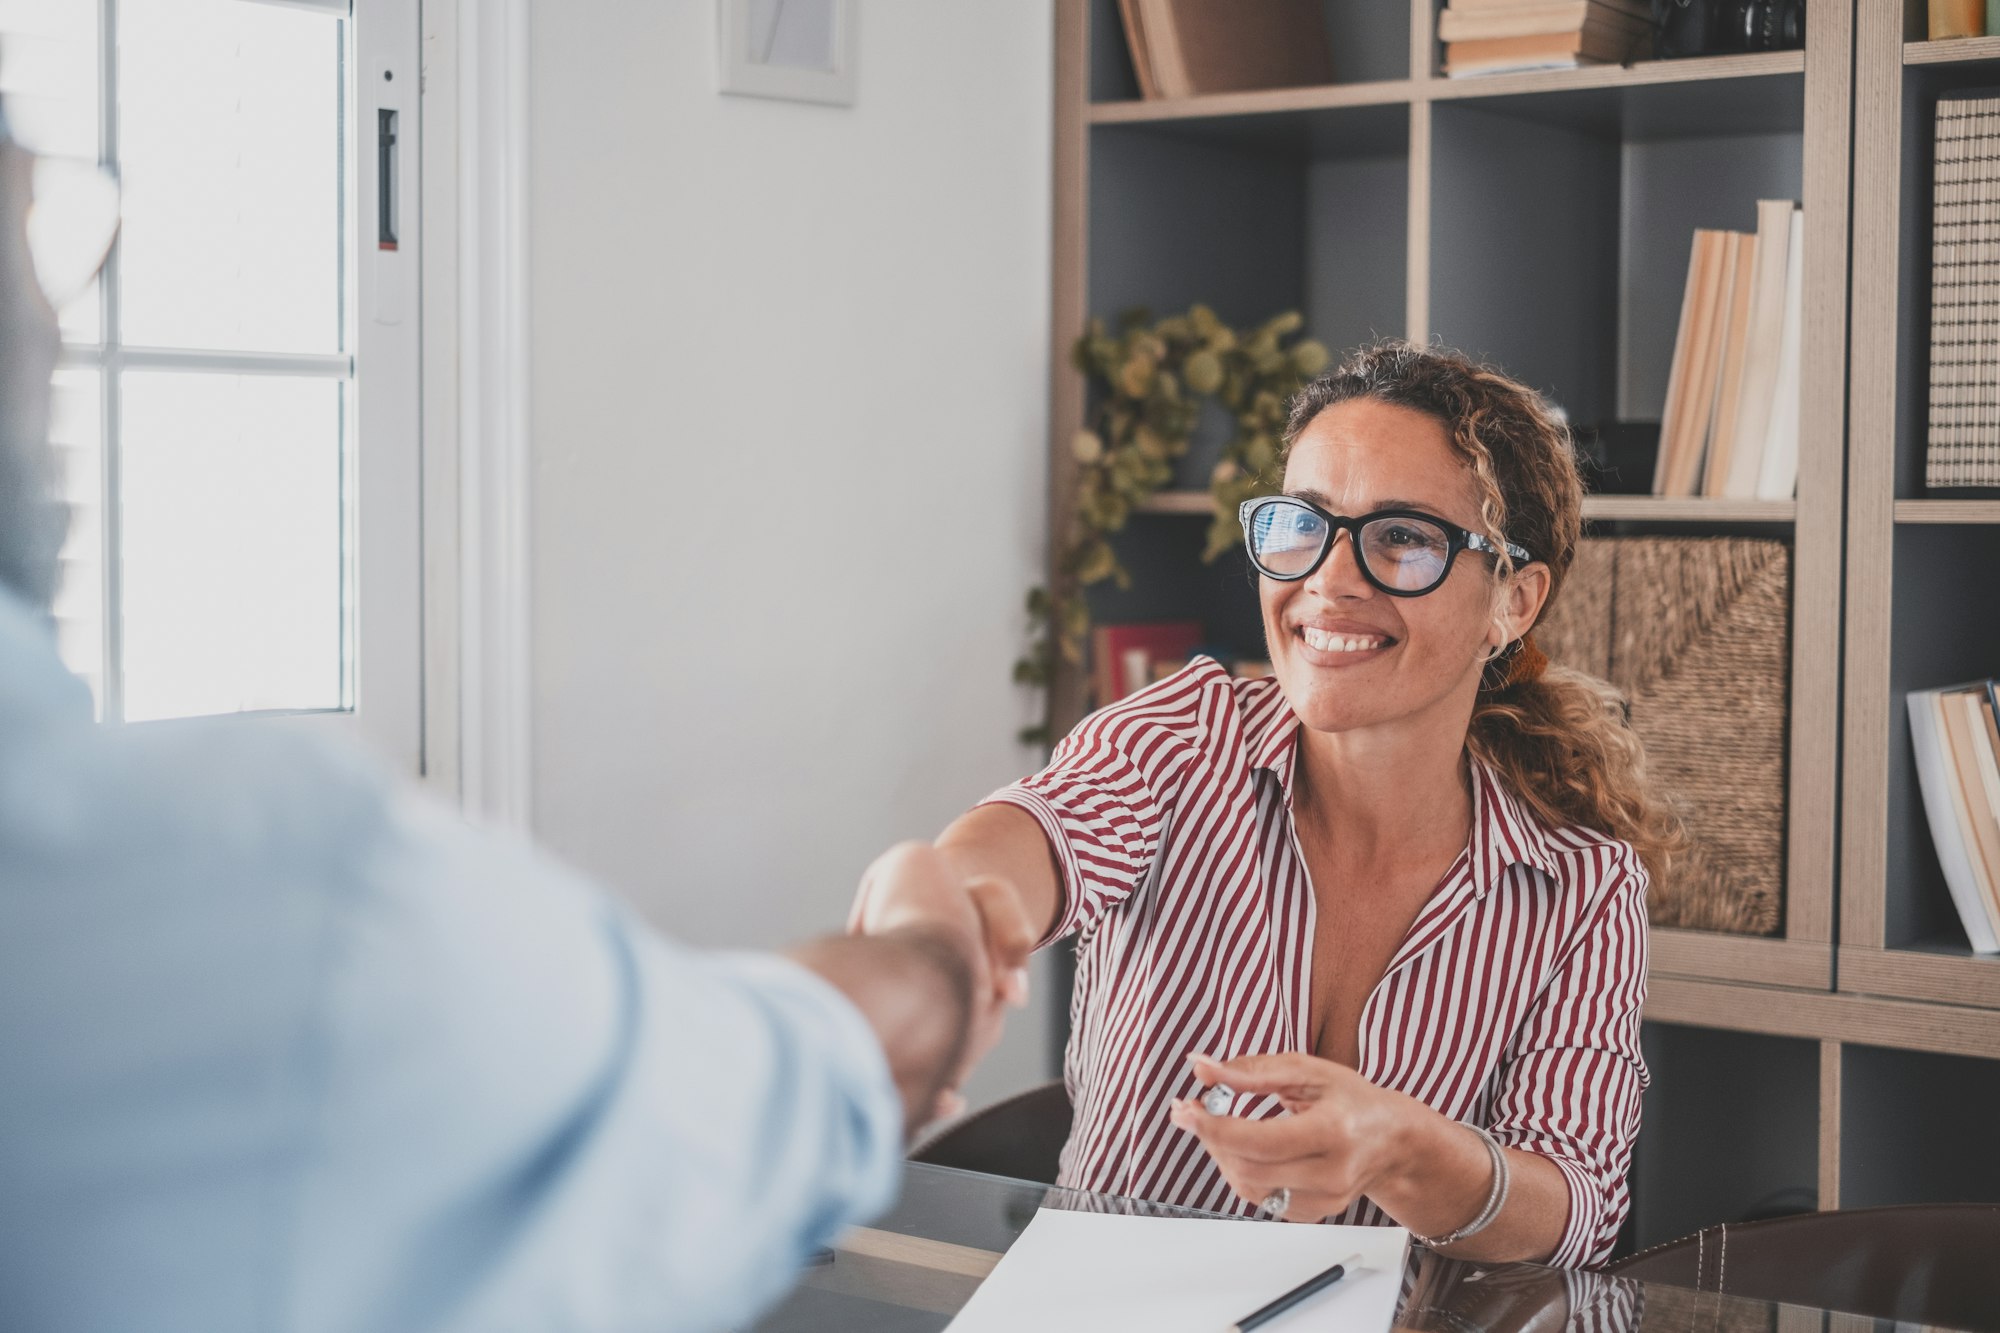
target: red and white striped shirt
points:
(1513, 1001)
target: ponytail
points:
(1560, 742)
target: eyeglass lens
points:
(1406, 554)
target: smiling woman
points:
(1393, 897)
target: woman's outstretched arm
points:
(1006, 842)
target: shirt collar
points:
(1505, 832)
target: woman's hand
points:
(912, 884)
(1343, 1138)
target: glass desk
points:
(912, 1270)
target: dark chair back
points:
(1021, 1136)
(1922, 1263)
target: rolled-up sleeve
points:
(1570, 1087)
(1102, 803)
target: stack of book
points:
(1962, 447)
(1185, 48)
(1731, 424)
(1501, 36)
(1956, 734)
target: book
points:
(1957, 18)
(1638, 9)
(1223, 46)
(1735, 330)
(1122, 656)
(1749, 436)
(1962, 441)
(1135, 43)
(1778, 472)
(1957, 711)
(1944, 808)
(1463, 25)
(1678, 376)
(1683, 450)
(1957, 715)
(1554, 50)
(1984, 741)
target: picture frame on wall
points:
(794, 50)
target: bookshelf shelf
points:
(1392, 92)
(1613, 508)
(1661, 509)
(1268, 102)
(1640, 74)
(1963, 50)
(1948, 511)
(1940, 973)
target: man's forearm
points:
(914, 986)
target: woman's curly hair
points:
(1559, 738)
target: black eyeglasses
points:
(1404, 552)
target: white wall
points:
(790, 406)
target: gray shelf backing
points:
(1173, 222)
(1917, 1128)
(1357, 224)
(1524, 252)
(1745, 1107)
(1170, 582)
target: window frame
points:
(380, 362)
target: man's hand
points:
(912, 885)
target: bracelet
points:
(1496, 1198)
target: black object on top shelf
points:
(1716, 27)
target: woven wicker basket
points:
(1695, 632)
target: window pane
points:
(231, 507)
(230, 146)
(76, 427)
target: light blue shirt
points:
(282, 1048)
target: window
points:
(236, 406)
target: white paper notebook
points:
(1091, 1272)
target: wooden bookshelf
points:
(1375, 204)
(1660, 509)
(1910, 624)
(1954, 52)
(1378, 204)
(1602, 508)
(1947, 511)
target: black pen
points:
(1310, 1287)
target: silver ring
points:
(1277, 1203)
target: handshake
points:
(954, 949)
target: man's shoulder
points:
(199, 795)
